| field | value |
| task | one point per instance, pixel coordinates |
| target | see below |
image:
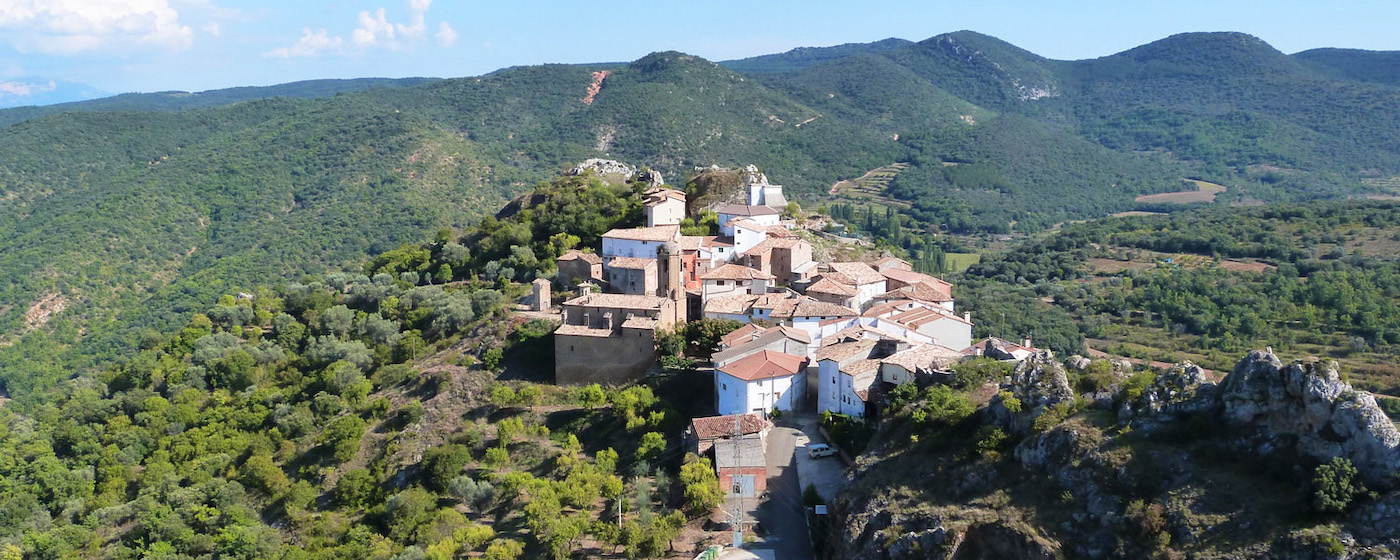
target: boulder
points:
(1078, 363)
(1040, 381)
(1308, 402)
(1180, 391)
(604, 168)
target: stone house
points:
(577, 266)
(628, 275)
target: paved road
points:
(782, 514)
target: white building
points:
(763, 194)
(845, 373)
(761, 215)
(867, 282)
(639, 243)
(732, 279)
(664, 207)
(928, 319)
(760, 382)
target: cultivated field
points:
(1205, 192)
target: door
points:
(744, 483)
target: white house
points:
(867, 282)
(845, 372)
(732, 279)
(664, 207)
(639, 243)
(748, 234)
(764, 194)
(928, 319)
(761, 215)
(760, 382)
(923, 359)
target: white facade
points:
(616, 247)
(714, 288)
(766, 195)
(726, 222)
(665, 212)
(867, 292)
(836, 391)
(948, 331)
(761, 396)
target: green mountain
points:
(129, 212)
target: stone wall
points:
(613, 360)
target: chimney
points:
(967, 316)
(1026, 342)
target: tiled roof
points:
(764, 365)
(887, 262)
(660, 194)
(924, 356)
(657, 233)
(863, 395)
(920, 292)
(631, 263)
(828, 286)
(858, 272)
(741, 210)
(842, 351)
(771, 243)
(910, 277)
(729, 305)
(691, 242)
(736, 272)
(859, 367)
(582, 330)
(920, 316)
(589, 258)
(772, 300)
(636, 322)
(717, 241)
(742, 334)
(807, 307)
(712, 427)
(618, 301)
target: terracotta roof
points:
(717, 241)
(736, 272)
(910, 277)
(590, 258)
(736, 304)
(859, 332)
(828, 286)
(748, 224)
(764, 365)
(767, 337)
(582, 330)
(742, 334)
(659, 194)
(858, 272)
(637, 322)
(859, 367)
(618, 301)
(886, 262)
(808, 307)
(713, 427)
(657, 233)
(741, 210)
(845, 350)
(1003, 344)
(631, 263)
(864, 395)
(770, 243)
(920, 292)
(924, 356)
(691, 242)
(772, 300)
(781, 232)
(920, 316)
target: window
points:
(571, 348)
(724, 386)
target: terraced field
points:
(1205, 192)
(872, 185)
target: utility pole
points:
(737, 486)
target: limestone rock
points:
(1308, 401)
(752, 176)
(1078, 363)
(1182, 390)
(604, 168)
(1040, 381)
(651, 177)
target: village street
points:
(789, 471)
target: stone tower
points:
(669, 284)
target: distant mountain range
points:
(22, 91)
(141, 207)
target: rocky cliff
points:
(1173, 466)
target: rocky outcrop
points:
(1307, 403)
(651, 177)
(1181, 391)
(1040, 381)
(605, 168)
(752, 176)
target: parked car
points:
(818, 450)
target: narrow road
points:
(782, 514)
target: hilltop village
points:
(816, 336)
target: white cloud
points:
(22, 89)
(67, 27)
(446, 35)
(213, 29)
(374, 30)
(312, 43)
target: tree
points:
(702, 491)
(355, 488)
(651, 446)
(502, 395)
(530, 395)
(343, 435)
(444, 274)
(592, 396)
(504, 549)
(443, 463)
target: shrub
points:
(1052, 416)
(810, 496)
(443, 463)
(1335, 486)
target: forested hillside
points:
(129, 213)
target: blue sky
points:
(194, 45)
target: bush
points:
(810, 496)
(443, 463)
(1335, 486)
